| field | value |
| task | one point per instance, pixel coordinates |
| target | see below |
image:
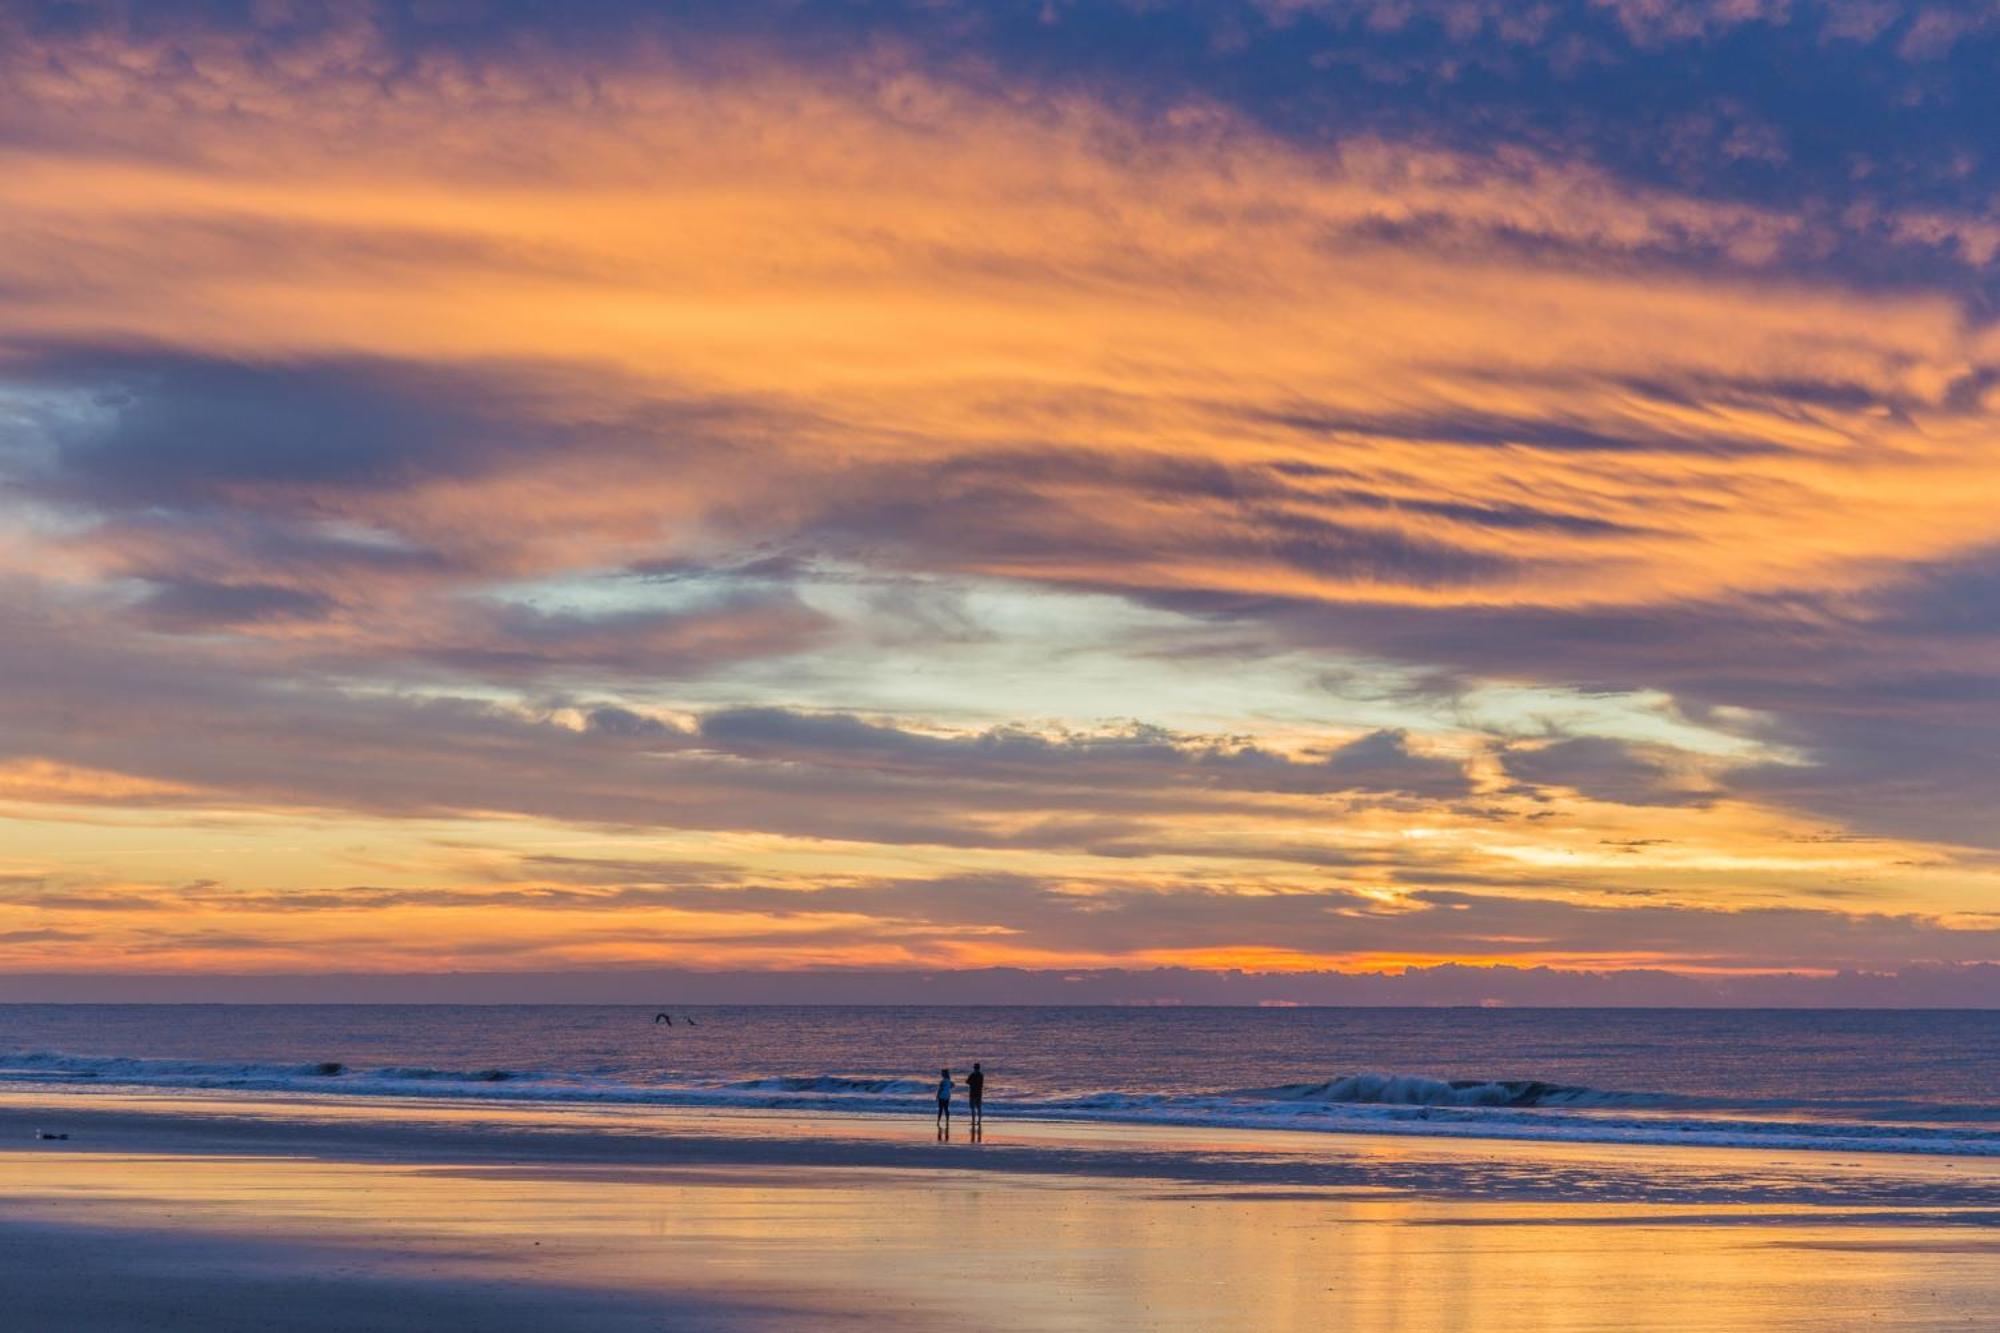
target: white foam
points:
(1378, 1103)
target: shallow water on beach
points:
(163, 1207)
(544, 1245)
(1900, 1081)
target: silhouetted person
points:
(975, 1092)
(944, 1101)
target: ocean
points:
(1834, 1081)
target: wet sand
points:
(211, 1212)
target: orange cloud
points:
(1528, 366)
(653, 318)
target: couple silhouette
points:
(975, 1099)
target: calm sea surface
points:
(1900, 1081)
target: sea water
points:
(1846, 1081)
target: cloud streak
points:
(668, 431)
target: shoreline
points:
(346, 1128)
(232, 1213)
(225, 1212)
(1554, 1123)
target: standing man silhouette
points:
(975, 1093)
(944, 1103)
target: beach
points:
(217, 1210)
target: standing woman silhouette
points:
(944, 1102)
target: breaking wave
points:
(1377, 1103)
(1415, 1090)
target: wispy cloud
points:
(408, 417)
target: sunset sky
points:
(789, 484)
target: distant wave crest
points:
(1416, 1090)
(835, 1085)
(54, 1066)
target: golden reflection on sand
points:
(997, 1249)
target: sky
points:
(1288, 487)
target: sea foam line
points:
(1354, 1103)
